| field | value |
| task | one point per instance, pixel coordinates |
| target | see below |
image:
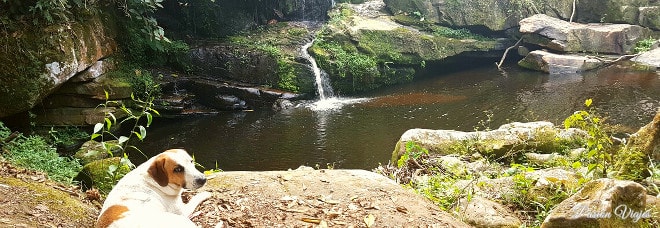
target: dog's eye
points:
(178, 169)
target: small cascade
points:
(323, 86)
(327, 100)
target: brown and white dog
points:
(150, 195)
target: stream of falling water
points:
(327, 99)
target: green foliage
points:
(360, 68)
(141, 50)
(599, 143)
(442, 191)
(644, 45)
(4, 131)
(66, 136)
(144, 110)
(413, 151)
(35, 153)
(143, 83)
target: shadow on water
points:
(363, 133)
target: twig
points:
(499, 65)
(610, 62)
(573, 13)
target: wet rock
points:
(650, 58)
(481, 212)
(228, 102)
(601, 203)
(282, 104)
(563, 36)
(558, 64)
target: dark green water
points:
(362, 135)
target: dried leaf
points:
(369, 220)
(311, 220)
(402, 209)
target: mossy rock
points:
(28, 199)
(97, 174)
(92, 151)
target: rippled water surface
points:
(362, 133)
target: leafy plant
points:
(413, 151)
(599, 143)
(644, 45)
(35, 153)
(66, 136)
(105, 129)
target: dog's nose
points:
(200, 181)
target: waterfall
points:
(323, 86)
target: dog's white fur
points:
(150, 195)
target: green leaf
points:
(97, 127)
(95, 135)
(149, 118)
(114, 119)
(107, 96)
(588, 102)
(122, 140)
(108, 124)
(576, 165)
(143, 132)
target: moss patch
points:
(29, 202)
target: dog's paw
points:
(202, 196)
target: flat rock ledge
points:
(307, 197)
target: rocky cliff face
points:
(35, 61)
(505, 14)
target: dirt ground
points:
(297, 198)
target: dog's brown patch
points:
(111, 215)
(162, 171)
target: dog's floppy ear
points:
(157, 171)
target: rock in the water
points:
(558, 64)
(495, 141)
(601, 203)
(563, 36)
(650, 58)
(481, 212)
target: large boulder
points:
(304, 197)
(562, 36)
(502, 15)
(481, 212)
(494, 141)
(558, 64)
(650, 58)
(35, 60)
(602, 203)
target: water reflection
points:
(360, 133)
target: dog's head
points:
(176, 169)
